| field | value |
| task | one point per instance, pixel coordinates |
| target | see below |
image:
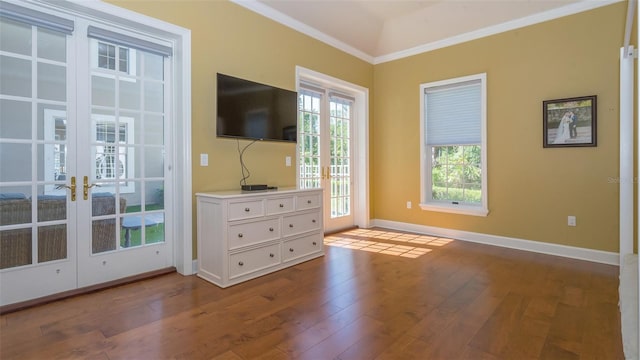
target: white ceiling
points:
(384, 30)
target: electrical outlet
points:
(287, 161)
(408, 204)
(204, 159)
(571, 220)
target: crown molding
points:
(571, 9)
(563, 11)
(268, 12)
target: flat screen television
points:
(250, 110)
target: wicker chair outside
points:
(104, 231)
(16, 244)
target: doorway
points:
(84, 112)
(333, 145)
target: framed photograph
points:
(569, 122)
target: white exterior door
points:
(84, 191)
(122, 210)
(37, 213)
(325, 152)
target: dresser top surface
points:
(226, 194)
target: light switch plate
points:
(204, 159)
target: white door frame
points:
(360, 138)
(179, 162)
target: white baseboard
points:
(194, 267)
(598, 256)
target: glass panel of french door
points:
(324, 153)
(340, 115)
(37, 249)
(125, 166)
(309, 171)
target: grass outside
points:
(457, 194)
(153, 234)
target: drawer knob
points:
(240, 235)
(271, 229)
(281, 205)
(241, 263)
(313, 221)
(290, 249)
(271, 255)
(290, 225)
(308, 201)
(314, 243)
(247, 209)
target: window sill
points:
(456, 209)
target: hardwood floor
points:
(375, 295)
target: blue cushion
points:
(12, 196)
(52, 197)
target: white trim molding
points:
(178, 165)
(360, 139)
(597, 256)
(557, 13)
(268, 12)
(277, 16)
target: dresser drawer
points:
(253, 260)
(255, 232)
(245, 209)
(303, 246)
(300, 223)
(279, 205)
(310, 201)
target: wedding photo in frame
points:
(569, 122)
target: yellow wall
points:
(229, 39)
(531, 190)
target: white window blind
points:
(453, 114)
(37, 18)
(341, 98)
(128, 41)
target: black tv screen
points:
(251, 110)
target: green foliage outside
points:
(457, 173)
(309, 141)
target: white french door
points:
(122, 213)
(325, 151)
(83, 185)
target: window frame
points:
(426, 186)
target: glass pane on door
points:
(33, 145)
(127, 147)
(340, 111)
(309, 140)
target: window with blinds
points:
(453, 122)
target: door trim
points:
(360, 138)
(179, 162)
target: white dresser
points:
(243, 235)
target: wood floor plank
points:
(343, 339)
(375, 343)
(310, 337)
(376, 294)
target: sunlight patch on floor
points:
(400, 237)
(373, 246)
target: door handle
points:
(72, 188)
(326, 172)
(86, 187)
